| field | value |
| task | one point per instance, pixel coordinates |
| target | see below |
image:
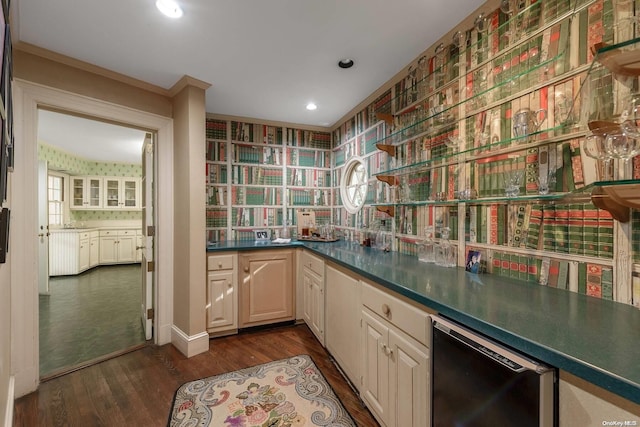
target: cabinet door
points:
(108, 249)
(313, 294)
(127, 248)
(130, 193)
(83, 255)
(267, 288)
(78, 193)
(307, 290)
(409, 382)
(342, 321)
(112, 193)
(375, 366)
(220, 300)
(93, 195)
(94, 251)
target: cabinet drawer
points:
(84, 235)
(126, 232)
(406, 317)
(111, 233)
(220, 262)
(313, 263)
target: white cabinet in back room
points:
(117, 246)
(122, 193)
(94, 248)
(86, 192)
(69, 251)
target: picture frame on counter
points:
(262, 235)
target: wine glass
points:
(622, 147)
(594, 147)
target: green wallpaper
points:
(62, 160)
(72, 165)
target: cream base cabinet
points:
(94, 249)
(313, 294)
(342, 320)
(395, 377)
(69, 252)
(117, 246)
(84, 252)
(266, 285)
(222, 295)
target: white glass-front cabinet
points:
(86, 192)
(122, 193)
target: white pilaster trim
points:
(189, 345)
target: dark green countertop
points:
(594, 339)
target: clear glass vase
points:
(426, 248)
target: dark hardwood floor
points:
(137, 388)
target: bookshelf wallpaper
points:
(259, 175)
(468, 98)
(62, 160)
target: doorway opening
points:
(96, 198)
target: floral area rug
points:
(285, 393)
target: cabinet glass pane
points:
(94, 192)
(78, 192)
(112, 193)
(130, 193)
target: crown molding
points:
(91, 68)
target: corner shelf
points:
(387, 148)
(617, 197)
(622, 58)
(389, 210)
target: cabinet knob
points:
(229, 284)
(219, 265)
(386, 310)
(246, 269)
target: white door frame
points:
(27, 97)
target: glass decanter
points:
(445, 255)
(426, 248)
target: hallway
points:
(89, 316)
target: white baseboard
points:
(8, 416)
(189, 345)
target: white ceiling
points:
(265, 59)
(90, 139)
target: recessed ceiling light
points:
(311, 106)
(170, 8)
(345, 63)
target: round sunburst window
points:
(353, 187)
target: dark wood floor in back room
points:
(137, 388)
